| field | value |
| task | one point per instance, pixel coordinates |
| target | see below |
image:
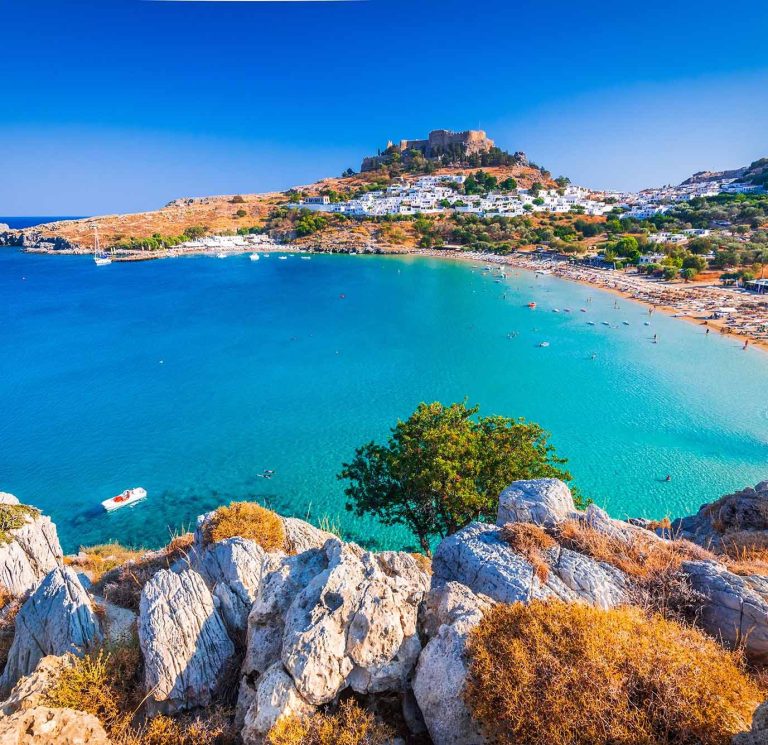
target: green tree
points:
(443, 468)
(688, 273)
(670, 272)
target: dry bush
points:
(531, 542)
(745, 552)
(215, 728)
(569, 673)
(123, 584)
(6, 596)
(12, 517)
(664, 524)
(102, 558)
(350, 725)
(247, 520)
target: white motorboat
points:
(100, 258)
(306, 258)
(255, 257)
(221, 255)
(282, 258)
(129, 496)
(544, 344)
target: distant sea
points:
(192, 376)
(18, 222)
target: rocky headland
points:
(264, 629)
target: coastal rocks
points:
(233, 569)
(439, 681)
(300, 536)
(276, 696)
(478, 557)
(358, 615)
(744, 511)
(735, 608)
(187, 651)
(42, 725)
(32, 551)
(544, 502)
(57, 618)
(30, 690)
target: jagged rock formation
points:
(32, 552)
(187, 651)
(42, 725)
(55, 620)
(30, 690)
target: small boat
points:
(531, 305)
(255, 257)
(282, 258)
(129, 496)
(99, 257)
(221, 255)
(605, 323)
(583, 310)
(646, 323)
(544, 344)
(266, 256)
(590, 323)
(306, 258)
(268, 474)
(567, 310)
(626, 323)
(555, 310)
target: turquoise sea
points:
(191, 376)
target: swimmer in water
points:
(669, 478)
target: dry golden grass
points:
(123, 584)
(102, 558)
(350, 725)
(570, 673)
(247, 520)
(6, 596)
(214, 728)
(530, 541)
(8, 627)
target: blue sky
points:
(119, 105)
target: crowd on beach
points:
(727, 310)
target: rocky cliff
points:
(288, 633)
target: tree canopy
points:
(443, 468)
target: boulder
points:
(438, 685)
(447, 602)
(300, 536)
(358, 615)
(233, 569)
(478, 557)
(188, 654)
(276, 697)
(735, 608)
(57, 618)
(544, 502)
(42, 725)
(742, 511)
(31, 553)
(30, 690)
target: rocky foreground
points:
(293, 630)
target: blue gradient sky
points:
(117, 105)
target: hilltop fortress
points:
(438, 143)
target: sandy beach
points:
(725, 310)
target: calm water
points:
(191, 376)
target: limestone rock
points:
(233, 570)
(57, 618)
(735, 609)
(358, 615)
(42, 725)
(276, 697)
(544, 502)
(33, 551)
(479, 558)
(447, 602)
(29, 691)
(742, 511)
(300, 536)
(277, 591)
(187, 652)
(439, 682)
(758, 733)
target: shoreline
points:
(690, 302)
(640, 290)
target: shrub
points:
(424, 562)
(530, 541)
(350, 725)
(102, 558)
(6, 596)
(123, 584)
(8, 627)
(240, 213)
(214, 729)
(247, 520)
(237, 199)
(13, 517)
(569, 673)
